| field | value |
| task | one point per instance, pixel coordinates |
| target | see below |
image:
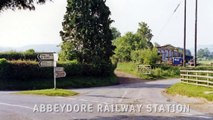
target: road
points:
(131, 92)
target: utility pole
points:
(184, 42)
(196, 12)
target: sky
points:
(23, 27)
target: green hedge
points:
(18, 56)
(23, 70)
(28, 70)
(18, 74)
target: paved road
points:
(99, 103)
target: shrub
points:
(145, 56)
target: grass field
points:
(206, 62)
(191, 91)
(50, 92)
(128, 67)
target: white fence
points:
(197, 77)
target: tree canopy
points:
(20, 4)
(131, 42)
(86, 32)
(205, 54)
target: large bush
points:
(145, 56)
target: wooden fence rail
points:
(197, 77)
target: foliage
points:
(145, 56)
(191, 91)
(86, 32)
(24, 70)
(20, 4)
(128, 43)
(205, 54)
(30, 51)
(68, 53)
(12, 55)
(145, 32)
(50, 92)
(27, 70)
(157, 72)
(28, 75)
(131, 44)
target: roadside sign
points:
(46, 64)
(59, 69)
(49, 59)
(46, 56)
(60, 74)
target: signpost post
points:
(49, 59)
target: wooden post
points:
(184, 41)
(208, 79)
(196, 78)
(195, 57)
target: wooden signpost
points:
(49, 59)
(59, 71)
(46, 63)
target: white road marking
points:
(13, 105)
(122, 97)
(206, 117)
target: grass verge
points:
(50, 92)
(191, 91)
(157, 72)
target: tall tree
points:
(86, 29)
(145, 32)
(20, 4)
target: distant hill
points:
(3, 49)
(37, 48)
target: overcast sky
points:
(42, 26)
